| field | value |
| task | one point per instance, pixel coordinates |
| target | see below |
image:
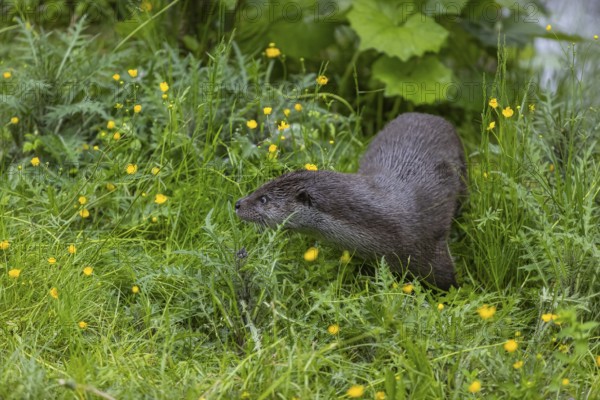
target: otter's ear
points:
(303, 197)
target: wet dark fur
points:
(399, 204)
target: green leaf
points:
(394, 28)
(422, 81)
(444, 7)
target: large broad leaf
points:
(395, 28)
(423, 80)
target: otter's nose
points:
(237, 205)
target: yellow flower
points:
(35, 161)
(408, 288)
(311, 254)
(135, 289)
(164, 97)
(14, 273)
(322, 80)
(14, 120)
(283, 126)
(531, 107)
(117, 136)
(137, 108)
(118, 106)
(155, 170)
(346, 257)
(84, 213)
(595, 37)
(508, 112)
(380, 395)
(82, 200)
(491, 126)
(82, 324)
(286, 112)
(311, 167)
(565, 381)
(110, 187)
(548, 27)
(116, 77)
(440, 306)
(54, 292)
(4, 244)
(131, 169)
(333, 329)
(154, 219)
(598, 361)
(486, 312)
(252, 124)
(267, 110)
(546, 317)
(493, 102)
(164, 86)
(518, 364)
(355, 391)
(298, 107)
(87, 271)
(85, 146)
(475, 386)
(160, 198)
(511, 345)
(272, 51)
(72, 249)
(51, 260)
(96, 148)
(110, 124)
(272, 148)
(7, 74)
(132, 72)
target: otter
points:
(399, 205)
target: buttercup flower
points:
(272, 148)
(380, 395)
(164, 86)
(508, 112)
(311, 167)
(286, 112)
(252, 124)
(356, 391)
(440, 307)
(475, 386)
(110, 124)
(51, 260)
(548, 27)
(135, 289)
(160, 198)
(283, 126)
(518, 364)
(132, 72)
(491, 126)
(54, 293)
(14, 273)
(35, 161)
(493, 102)
(116, 136)
(511, 345)
(84, 213)
(82, 324)
(116, 77)
(7, 74)
(333, 329)
(267, 110)
(346, 257)
(87, 271)
(137, 108)
(311, 254)
(298, 107)
(322, 80)
(131, 169)
(72, 249)
(408, 288)
(486, 312)
(14, 120)
(272, 51)
(4, 244)
(155, 170)
(82, 200)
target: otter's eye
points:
(263, 199)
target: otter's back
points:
(412, 147)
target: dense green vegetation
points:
(124, 272)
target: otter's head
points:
(286, 199)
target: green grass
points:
(213, 321)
